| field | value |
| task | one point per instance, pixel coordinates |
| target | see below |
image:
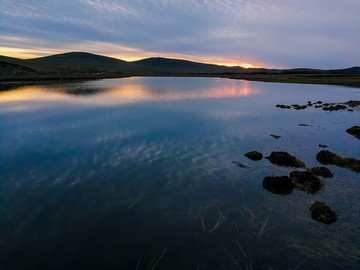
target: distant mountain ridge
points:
(80, 64)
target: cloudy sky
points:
(270, 33)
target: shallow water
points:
(138, 173)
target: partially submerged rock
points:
(305, 181)
(278, 184)
(254, 155)
(283, 106)
(275, 136)
(239, 164)
(285, 159)
(327, 157)
(322, 213)
(321, 171)
(353, 103)
(323, 146)
(355, 131)
(334, 108)
(299, 107)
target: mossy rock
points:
(321, 171)
(285, 159)
(355, 131)
(322, 213)
(254, 155)
(327, 157)
(305, 181)
(278, 184)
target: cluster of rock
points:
(306, 179)
(350, 105)
(309, 179)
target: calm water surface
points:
(138, 173)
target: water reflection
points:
(124, 91)
(121, 184)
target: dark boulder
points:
(278, 184)
(305, 181)
(355, 131)
(322, 213)
(327, 157)
(254, 155)
(285, 159)
(321, 171)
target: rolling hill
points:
(177, 66)
(87, 65)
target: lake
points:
(138, 173)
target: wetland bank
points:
(151, 173)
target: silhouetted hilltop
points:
(178, 66)
(87, 65)
(84, 62)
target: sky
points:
(250, 33)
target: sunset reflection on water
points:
(119, 92)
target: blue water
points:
(138, 173)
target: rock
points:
(323, 146)
(355, 131)
(353, 103)
(254, 155)
(321, 171)
(318, 106)
(322, 213)
(283, 106)
(303, 125)
(350, 110)
(334, 108)
(278, 184)
(305, 181)
(299, 107)
(327, 157)
(319, 102)
(239, 164)
(285, 159)
(275, 136)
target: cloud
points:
(275, 33)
